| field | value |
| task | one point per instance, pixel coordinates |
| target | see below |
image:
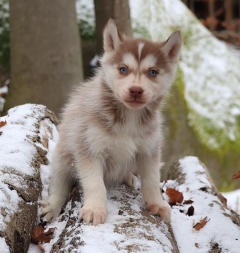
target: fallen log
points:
(200, 219)
(24, 135)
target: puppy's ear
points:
(111, 36)
(171, 47)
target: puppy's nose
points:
(135, 91)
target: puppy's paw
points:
(130, 180)
(50, 210)
(91, 214)
(163, 210)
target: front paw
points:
(49, 211)
(163, 210)
(93, 214)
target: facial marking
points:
(148, 62)
(140, 47)
(130, 61)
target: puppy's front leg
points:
(95, 200)
(149, 170)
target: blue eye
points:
(152, 72)
(123, 70)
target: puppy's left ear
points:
(172, 46)
(111, 36)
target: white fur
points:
(140, 47)
(103, 139)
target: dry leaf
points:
(40, 236)
(222, 199)
(72, 192)
(174, 196)
(190, 211)
(187, 202)
(236, 175)
(3, 123)
(200, 224)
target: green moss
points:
(221, 157)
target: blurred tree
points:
(45, 52)
(118, 10)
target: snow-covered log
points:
(130, 227)
(24, 137)
(201, 222)
(219, 226)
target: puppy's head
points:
(138, 71)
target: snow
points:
(219, 228)
(130, 227)
(85, 11)
(45, 170)
(3, 246)
(3, 92)
(115, 236)
(233, 200)
(15, 149)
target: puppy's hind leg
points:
(150, 176)
(130, 180)
(60, 185)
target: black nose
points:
(135, 91)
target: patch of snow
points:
(45, 170)
(4, 90)
(34, 248)
(233, 200)
(16, 152)
(85, 11)
(3, 246)
(219, 228)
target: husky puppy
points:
(111, 126)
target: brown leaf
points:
(190, 211)
(236, 175)
(188, 202)
(222, 199)
(40, 236)
(72, 192)
(196, 245)
(3, 123)
(200, 224)
(174, 196)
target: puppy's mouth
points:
(135, 103)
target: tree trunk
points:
(116, 9)
(45, 52)
(23, 150)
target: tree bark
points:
(118, 10)
(45, 52)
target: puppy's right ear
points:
(111, 36)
